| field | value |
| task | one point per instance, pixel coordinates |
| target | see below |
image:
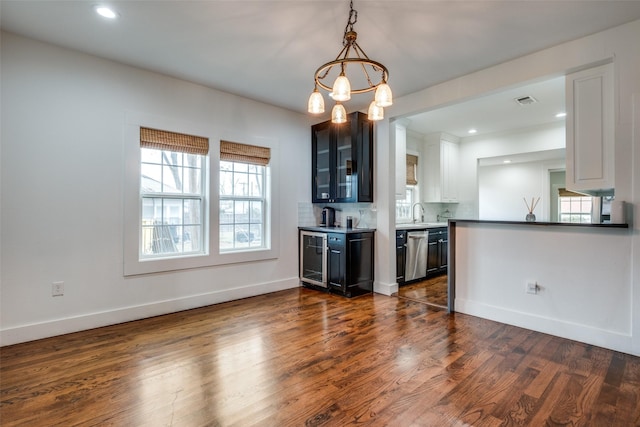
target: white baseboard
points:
(95, 320)
(385, 288)
(612, 340)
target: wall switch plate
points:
(533, 288)
(57, 289)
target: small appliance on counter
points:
(328, 217)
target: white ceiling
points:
(268, 50)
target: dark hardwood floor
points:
(429, 291)
(304, 358)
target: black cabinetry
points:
(437, 259)
(350, 263)
(342, 161)
(401, 254)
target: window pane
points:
(226, 212)
(256, 212)
(150, 178)
(240, 167)
(226, 183)
(255, 189)
(172, 179)
(191, 238)
(148, 155)
(226, 237)
(241, 212)
(151, 210)
(192, 210)
(192, 181)
(240, 184)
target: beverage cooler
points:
(313, 258)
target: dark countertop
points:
(421, 226)
(343, 230)
(539, 223)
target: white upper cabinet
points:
(440, 172)
(590, 129)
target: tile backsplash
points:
(363, 214)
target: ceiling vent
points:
(526, 100)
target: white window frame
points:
(133, 265)
(265, 238)
(164, 195)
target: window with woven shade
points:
(243, 196)
(412, 169)
(172, 197)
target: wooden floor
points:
(429, 291)
(304, 358)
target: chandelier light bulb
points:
(383, 97)
(316, 102)
(342, 88)
(375, 112)
(338, 114)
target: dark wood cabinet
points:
(401, 254)
(342, 161)
(350, 263)
(437, 258)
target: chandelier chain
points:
(353, 18)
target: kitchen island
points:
(569, 280)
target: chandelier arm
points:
(327, 67)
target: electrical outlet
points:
(532, 288)
(57, 289)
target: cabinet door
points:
(336, 262)
(364, 166)
(449, 171)
(443, 248)
(343, 174)
(401, 259)
(433, 256)
(590, 129)
(321, 162)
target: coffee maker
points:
(328, 217)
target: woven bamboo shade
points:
(563, 192)
(412, 169)
(244, 153)
(172, 141)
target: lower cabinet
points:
(401, 254)
(437, 258)
(437, 253)
(350, 263)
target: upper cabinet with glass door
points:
(342, 161)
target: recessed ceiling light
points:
(559, 115)
(472, 131)
(106, 12)
(506, 161)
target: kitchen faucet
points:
(413, 212)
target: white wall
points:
(619, 45)
(544, 138)
(63, 131)
(501, 189)
(584, 294)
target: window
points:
(243, 197)
(403, 206)
(574, 207)
(172, 173)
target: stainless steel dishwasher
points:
(417, 252)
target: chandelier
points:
(351, 56)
